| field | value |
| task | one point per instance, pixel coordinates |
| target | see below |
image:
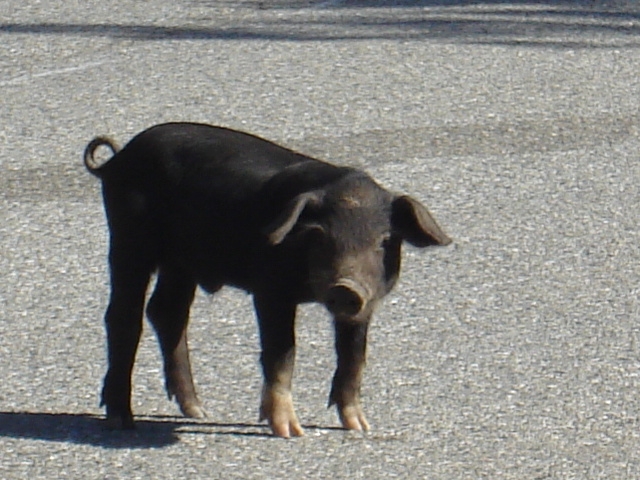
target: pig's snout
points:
(346, 298)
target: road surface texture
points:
(512, 354)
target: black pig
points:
(209, 206)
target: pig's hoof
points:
(352, 418)
(277, 409)
(193, 411)
(120, 422)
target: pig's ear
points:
(277, 230)
(415, 224)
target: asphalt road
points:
(513, 354)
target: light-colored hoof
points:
(193, 411)
(277, 409)
(352, 418)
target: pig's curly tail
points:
(89, 159)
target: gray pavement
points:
(513, 354)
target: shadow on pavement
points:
(562, 24)
(151, 431)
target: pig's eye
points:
(385, 240)
(313, 232)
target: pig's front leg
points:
(351, 346)
(277, 336)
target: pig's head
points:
(352, 231)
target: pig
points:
(200, 205)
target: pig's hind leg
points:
(168, 311)
(130, 273)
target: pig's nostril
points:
(342, 300)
